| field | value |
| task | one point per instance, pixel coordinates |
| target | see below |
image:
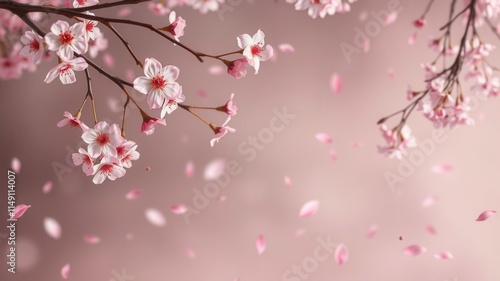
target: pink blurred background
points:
(352, 191)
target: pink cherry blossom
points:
(237, 68)
(65, 271)
(103, 139)
(83, 158)
(66, 40)
(221, 131)
(171, 104)
(66, 70)
(98, 45)
(205, 6)
(91, 31)
(397, 141)
(148, 126)
(309, 208)
(229, 108)
(72, 122)
(126, 152)
(84, 3)
(33, 46)
(158, 83)
(177, 25)
(108, 168)
(158, 8)
(318, 8)
(254, 49)
(19, 211)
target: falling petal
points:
(190, 253)
(189, 169)
(391, 18)
(299, 232)
(412, 39)
(363, 16)
(133, 194)
(222, 199)
(47, 187)
(52, 228)
(308, 209)
(129, 236)
(286, 48)
(216, 69)
(261, 244)
(148, 169)
(324, 138)
(429, 201)
(108, 59)
(130, 74)
(214, 169)
(414, 250)
(288, 181)
(341, 254)
(178, 209)
(155, 217)
(445, 255)
(366, 46)
(356, 144)
(65, 271)
(115, 105)
(485, 215)
(430, 229)
(91, 239)
(442, 168)
(202, 93)
(391, 72)
(124, 12)
(333, 155)
(15, 165)
(19, 211)
(336, 83)
(372, 231)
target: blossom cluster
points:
(322, 8)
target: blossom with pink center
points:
(108, 168)
(126, 152)
(103, 139)
(84, 3)
(83, 158)
(397, 141)
(221, 131)
(91, 30)
(33, 46)
(158, 83)
(72, 122)
(65, 39)
(148, 126)
(66, 70)
(205, 6)
(10, 67)
(317, 8)
(177, 25)
(419, 23)
(254, 50)
(99, 44)
(237, 68)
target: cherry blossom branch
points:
(124, 114)
(127, 45)
(109, 5)
(90, 94)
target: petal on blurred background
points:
(47, 187)
(65, 271)
(52, 228)
(214, 169)
(324, 137)
(155, 217)
(261, 244)
(485, 215)
(341, 254)
(336, 83)
(309, 208)
(133, 194)
(414, 250)
(15, 165)
(19, 211)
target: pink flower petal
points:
(391, 72)
(429, 201)
(214, 169)
(261, 244)
(129, 236)
(333, 155)
(372, 231)
(366, 46)
(15, 165)
(442, 169)
(202, 93)
(65, 271)
(430, 229)
(148, 169)
(216, 70)
(222, 198)
(47, 187)
(133, 194)
(445, 255)
(299, 232)
(412, 39)
(288, 181)
(414, 250)
(155, 217)
(108, 59)
(189, 169)
(356, 144)
(130, 74)
(124, 12)
(190, 253)
(178, 209)
(324, 138)
(391, 18)
(336, 83)
(286, 48)
(91, 239)
(19, 211)
(308, 209)
(52, 228)
(485, 215)
(341, 254)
